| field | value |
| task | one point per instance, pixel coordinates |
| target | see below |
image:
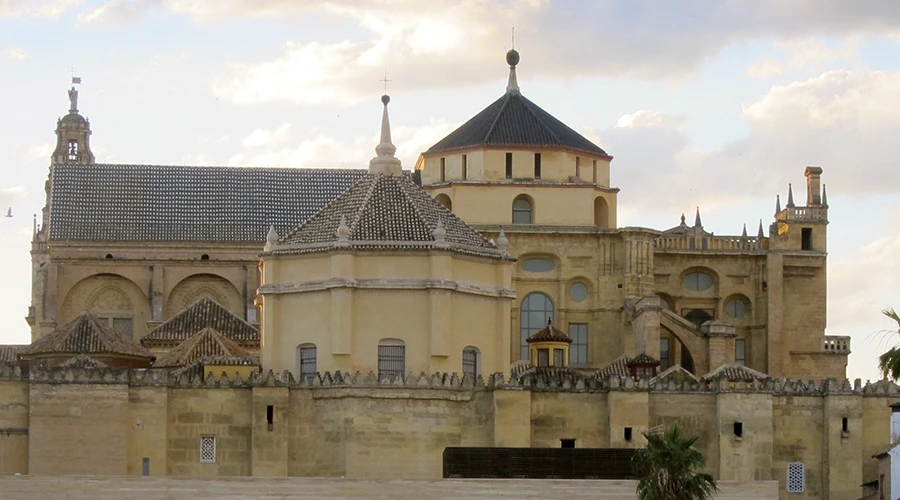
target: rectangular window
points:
(578, 347)
(806, 237)
(270, 416)
(578, 167)
(543, 357)
(628, 434)
(308, 366)
(391, 361)
(740, 351)
(738, 429)
(663, 355)
(465, 167)
(796, 477)
(845, 425)
(558, 357)
(537, 165)
(595, 171)
(470, 363)
(443, 169)
(509, 166)
(207, 449)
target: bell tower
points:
(73, 135)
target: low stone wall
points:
(135, 488)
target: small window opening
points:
(73, 149)
(567, 443)
(739, 429)
(578, 167)
(845, 425)
(109, 256)
(628, 434)
(537, 165)
(443, 169)
(806, 238)
(270, 416)
(465, 167)
(509, 166)
(204, 256)
(595, 171)
(145, 466)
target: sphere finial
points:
(512, 58)
(385, 99)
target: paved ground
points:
(135, 488)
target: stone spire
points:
(384, 162)
(790, 202)
(697, 222)
(777, 204)
(824, 197)
(744, 232)
(512, 58)
(759, 233)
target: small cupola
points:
(549, 347)
(73, 134)
(643, 366)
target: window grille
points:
(579, 345)
(470, 363)
(391, 361)
(521, 211)
(307, 361)
(207, 449)
(796, 477)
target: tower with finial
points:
(73, 134)
(385, 162)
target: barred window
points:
(579, 346)
(796, 477)
(391, 358)
(207, 449)
(471, 365)
(306, 360)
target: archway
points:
(200, 286)
(112, 298)
(601, 212)
(444, 200)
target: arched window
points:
(444, 200)
(737, 307)
(471, 362)
(698, 281)
(601, 212)
(307, 365)
(536, 309)
(522, 211)
(391, 358)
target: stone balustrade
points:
(837, 344)
(714, 243)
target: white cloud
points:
(813, 54)
(118, 11)
(650, 119)
(15, 54)
(764, 68)
(50, 9)
(262, 137)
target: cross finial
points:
(385, 80)
(513, 38)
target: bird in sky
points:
(9, 213)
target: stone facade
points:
(108, 421)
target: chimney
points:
(813, 186)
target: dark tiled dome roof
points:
(85, 335)
(512, 120)
(643, 359)
(549, 334)
(385, 211)
(205, 313)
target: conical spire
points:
(777, 204)
(512, 58)
(697, 222)
(760, 234)
(744, 232)
(824, 197)
(385, 163)
(790, 202)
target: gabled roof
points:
(389, 212)
(9, 352)
(514, 121)
(643, 359)
(618, 367)
(205, 313)
(676, 373)
(205, 343)
(85, 335)
(102, 202)
(82, 361)
(734, 372)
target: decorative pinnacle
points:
(682, 219)
(697, 222)
(824, 197)
(790, 202)
(777, 204)
(271, 239)
(385, 163)
(744, 233)
(512, 58)
(760, 233)
(439, 233)
(343, 231)
(502, 241)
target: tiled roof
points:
(735, 371)
(549, 375)
(82, 361)
(9, 352)
(385, 211)
(102, 202)
(512, 120)
(549, 334)
(205, 343)
(676, 373)
(643, 359)
(85, 335)
(618, 367)
(205, 313)
(196, 369)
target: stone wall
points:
(108, 421)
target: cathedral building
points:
(277, 321)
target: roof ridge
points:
(496, 118)
(528, 106)
(364, 203)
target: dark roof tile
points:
(207, 342)
(85, 335)
(205, 313)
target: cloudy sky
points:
(712, 104)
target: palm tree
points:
(889, 362)
(668, 468)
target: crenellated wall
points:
(74, 421)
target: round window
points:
(538, 265)
(578, 292)
(735, 308)
(697, 282)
